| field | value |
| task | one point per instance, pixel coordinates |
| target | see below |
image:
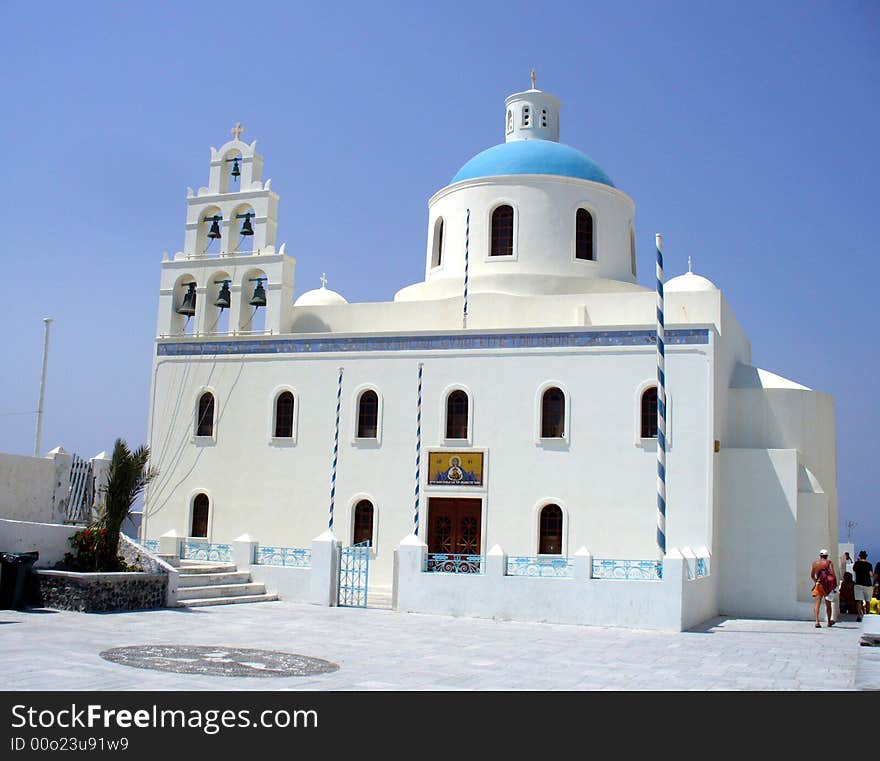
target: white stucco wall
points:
(759, 560)
(673, 604)
(49, 539)
(27, 487)
(602, 475)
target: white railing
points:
(266, 332)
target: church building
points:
(509, 399)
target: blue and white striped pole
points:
(661, 405)
(418, 453)
(335, 449)
(467, 238)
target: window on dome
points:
(509, 122)
(526, 116)
(553, 414)
(437, 246)
(584, 235)
(502, 231)
(205, 416)
(649, 413)
(543, 117)
(368, 415)
(200, 509)
(457, 415)
(550, 541)
(363, 523)
(284, 415)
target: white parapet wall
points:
(674, 603)
(27, 487)
(49, 539)
(292, 583)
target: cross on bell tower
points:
(236, 131)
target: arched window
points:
(284, 415)
(457, 415)
(509, 121)
(205, 418)
(437, 245)
(550, 541)
(583, 235)
(502, 231)
(553, 414)
(368, 415)
(649, 413)
(199, 525)
(363, 523)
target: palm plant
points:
(127, 476)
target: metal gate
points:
(354, 572)
(82, 491)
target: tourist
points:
(864, 585)
(847, 562)
(848, 602)
(825, 581)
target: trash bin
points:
(15, 568)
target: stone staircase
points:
(204, 584)
(379, 597)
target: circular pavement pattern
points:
(218, 661)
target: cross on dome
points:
(237, 130)
(534, 79)
(323, 279)
(690, 265)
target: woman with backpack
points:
(825, 582)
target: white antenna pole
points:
(47, 321)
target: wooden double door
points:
(454, 526)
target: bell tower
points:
(531, 115)
(229, 268)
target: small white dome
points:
(320, 297)
(689, 282)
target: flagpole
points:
(661, 405)
(418, 453)
(47, 321)
(335, 458)
(467, 237)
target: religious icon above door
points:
(455, 468)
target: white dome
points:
(320, 297)
(689, 282)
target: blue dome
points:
(532, 157)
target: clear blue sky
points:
(745, 131)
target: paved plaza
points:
(386, 650)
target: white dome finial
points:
(690, 265)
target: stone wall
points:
(99, 592)
(135, 555)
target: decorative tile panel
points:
(451, 563)
(464, 341)
(291, 557)
(633, 570)
(540, 566)
(213, 553)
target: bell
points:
(246, 228)
(188, 306)
(236, 172)
(259, 297)
(223, 298)
(214, 232)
